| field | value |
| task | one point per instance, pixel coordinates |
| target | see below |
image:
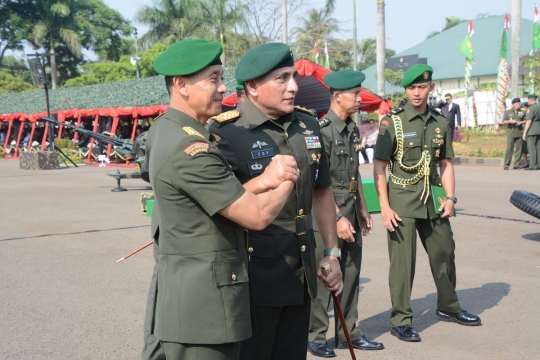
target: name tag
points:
(409, 135)
(259, 154)
(340, 143)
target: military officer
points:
(282, 266)
(202, 307)
(513, 118)
(342, 143)
(531, 134)
(412, 142)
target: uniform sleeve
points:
(327, 140)
(224, 145)
(447, 150)
(505, 116)
(530, 114)
(203, 175)
(323, 177)
(386, 140)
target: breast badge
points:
(256, 166)
(302, 125)
(312, 142)
(259, 144)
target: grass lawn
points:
(481, 145)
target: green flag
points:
(504, 46)
(466, 48)
(536, 36)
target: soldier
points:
(342, 144)
(202, 306)
(413, 141)
(531, 134)
(513, 118)
(240, 94)
(282, 266)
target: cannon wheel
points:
(527, 202)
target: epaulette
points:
(226, 116)
(323, 122)
(304, 110)
(395, 111)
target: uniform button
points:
(403, 185)
(411, 144)
(286, 136)
(250, 249)
(352, 159)
(425, 146)
(233, 277)
(301, 212)
(303, 248)
(342, 151)
(425, 128)
(355, 198)
(352, 178)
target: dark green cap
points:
(239, 85)
(532, 96)
(418, 73)
(187, 57)
(344, 79)
(260, 60)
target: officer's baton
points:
(136, 251)
(326, 269)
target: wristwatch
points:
(333, 252)
(453, 198)
(339, 215)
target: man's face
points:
(372, 125)
(516, 106)
(349, 100)
(448, 99)
(205, 91)
(532, 101)
(418, 93)
(274, 93)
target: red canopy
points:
(313, 93)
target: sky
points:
(407, 21)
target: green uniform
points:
(533, 137)
(203, 297)
(282, 265)
(341, 141)
(514, 134)
(428, 132)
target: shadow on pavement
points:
(475, 300)
(532, 237)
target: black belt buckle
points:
(353, 186)
(301, 225)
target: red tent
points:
(313, 93)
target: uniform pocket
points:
(260, 245)
(229, 273)
(412, 150)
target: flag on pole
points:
(465, 47)
(316, 51)
(502, 77)
(326, 56)
(535, 46)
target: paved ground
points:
(62, 295)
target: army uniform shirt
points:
(428, 132)
(534, 115)
(282, 256)
(342, 144)
(203, 295)
(513, 130)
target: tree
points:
(10, 83)
(449, 23)
(393, 78)
(14, 26)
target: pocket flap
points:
(260, 245)
(229, 273)
(412, 142)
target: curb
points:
(477, 161)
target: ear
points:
(181, 84)
(432, 87)
(251, 87)
(337, 96)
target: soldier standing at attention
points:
(412, 141)
(531, 134)
(202, 306)
(342, 143)
(282, 268)
(513, 118)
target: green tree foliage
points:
(449, 23)
(14, 26)
(17, 68)
(370, 58)
(10, 83)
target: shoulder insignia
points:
(304, 110)
(323, 122)
(192, 131)
(395, 111)
(226, 116)
(195, 148)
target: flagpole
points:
(355, 51)
(502, 75)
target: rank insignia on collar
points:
(256, 166)
(196, 148)
(259, 144)
(192, 131)
(312, 142)
(307, 132)
(302, 125)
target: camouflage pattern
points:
(38, 160)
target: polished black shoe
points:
(362, 343)
(463, 318)
(405, 333)
(321, 350)
(506, 168)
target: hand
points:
(367, 222)
(390, 219)
(333, 279)
(448, 208)
(457, 127)
(281, 168)
(524, 137)
(345, 230)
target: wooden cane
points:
(136, 251)
(326, 269)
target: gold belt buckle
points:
(298, 220)
(353, 186)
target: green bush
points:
(64, 144)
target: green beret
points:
(187, 57)
(344, 79)
(239, 85)
(260, 60)
(417, 74)
(532, 96)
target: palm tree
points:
(451, 21)
(59, 23)
(170, 21)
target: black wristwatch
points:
(339, 215)
(453, 198)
